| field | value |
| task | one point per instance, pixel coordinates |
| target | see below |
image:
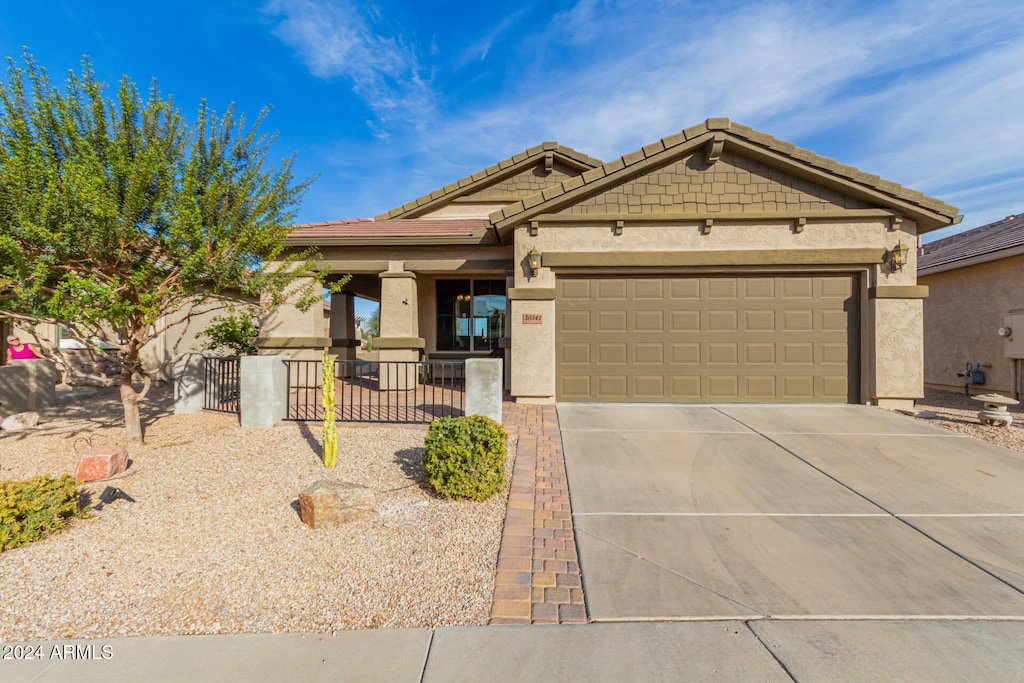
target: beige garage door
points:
(778, 338)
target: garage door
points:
(778, 338)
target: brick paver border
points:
(537, 580)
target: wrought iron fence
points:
(222, 384)
(378, 391)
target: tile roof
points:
(725, 127)
(367, 228)
(986, 240)
(463, 185)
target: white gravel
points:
(959, 413)
(213, 542)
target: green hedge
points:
(465, 457)
(35, 508)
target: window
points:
(470, 315)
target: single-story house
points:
(974, 313)
(718, 264)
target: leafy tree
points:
(371, 326)
(115, 212)
(236, 331)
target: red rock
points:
(101, 462)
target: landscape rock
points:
(101, 462)
(20, 421)
(330, 503)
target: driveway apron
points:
(790, 512)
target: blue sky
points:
(389, 100)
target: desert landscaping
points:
(212, 541)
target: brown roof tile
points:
(364, 228)
(988, 239)
(946, 214)
(457, 188)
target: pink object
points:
(26, 353)
(102, 462)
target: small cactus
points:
(330, 429)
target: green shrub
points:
(35, 508)
(465, 457)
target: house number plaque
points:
(533, 318)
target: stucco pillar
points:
(399, 339)
(344, 342)
(189, 383)
(263, 391)
(898, 331)
(290, 331)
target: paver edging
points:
(537, 580)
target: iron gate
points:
(222, 384)
(378, 391)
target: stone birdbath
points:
(994, 411)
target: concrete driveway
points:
(790, 512)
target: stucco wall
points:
(963, 310)
(891, 346)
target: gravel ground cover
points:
(959, 413)
(214, 544)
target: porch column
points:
(399, 328)
(292, 332)
(344, 342)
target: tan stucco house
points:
(718, 264)
(974, 312)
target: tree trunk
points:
(132, 419)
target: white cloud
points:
(333, 38)
(928, 95)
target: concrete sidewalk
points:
(682, 651)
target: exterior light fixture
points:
(534, 260)
(898, 257)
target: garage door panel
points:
(611, 353)
(649, 289)
(761, 387)
(801, 320)
(575, 289)
(613, 290)
(723, 353)
(723, 387)
(649, 386)
(649, 353)
(722, 288)
(684, 321)
(759, 353)
(685, 387)
(611, 387)
(611, 321)
(797, 288)
(759, 321)
(723, 321)
(683, 289)
(756, 338)
(686, 354)
(648, 321)
(797, 353)
(576, 353)
(574, 321)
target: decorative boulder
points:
(330, 503)
(101, 462)
(20, 421)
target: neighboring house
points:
(717, 264)
(974, 312)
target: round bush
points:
(465, 457)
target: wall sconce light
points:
(534, 260)
(898, 257)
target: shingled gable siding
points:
(733, 184)
(528, 182)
